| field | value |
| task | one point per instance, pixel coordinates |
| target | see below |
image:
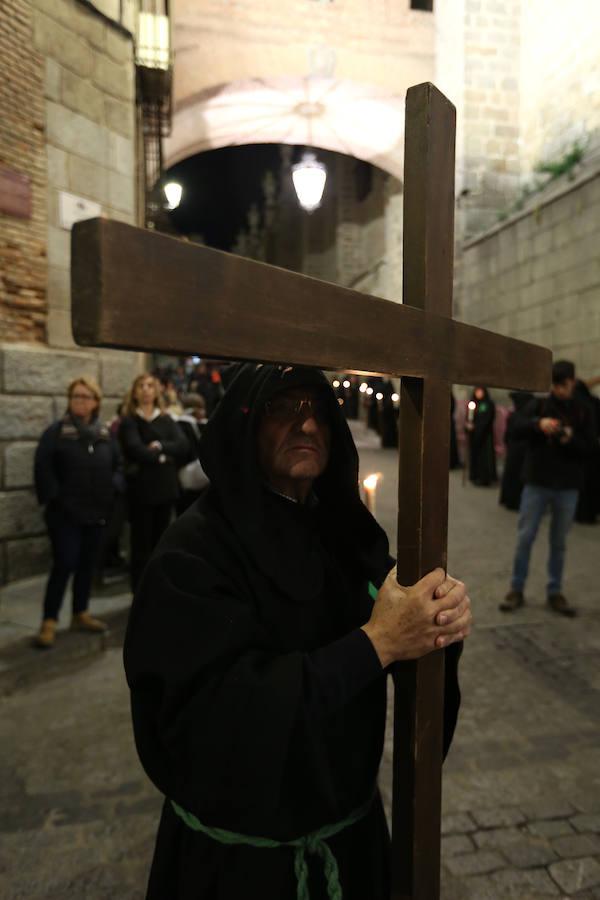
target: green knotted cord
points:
(313, 843)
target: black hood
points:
(228, 453)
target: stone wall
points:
(72, 128)
(560, 68)
(537, 275)
(89, 90)
(22, 240)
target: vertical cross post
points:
(423, 498)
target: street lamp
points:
(173, 192)
(309, 176)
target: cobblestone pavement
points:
(521, 787)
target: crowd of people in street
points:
(92, 476)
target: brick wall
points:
(537, 276)
(22, 149)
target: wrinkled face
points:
(145, 391)
(294, 439)
(564, 390)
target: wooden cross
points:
(141, 290)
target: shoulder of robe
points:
(202, 538)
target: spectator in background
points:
(480, 435)
(154, 448)
(75, 463)
(588, 505)
(559, 435)
(516, 449)
(192, 479)
(455, 462)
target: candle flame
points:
(370, 482)
(472, 404)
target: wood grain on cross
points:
(138, 290)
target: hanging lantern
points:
(309, 176)
(173, 192)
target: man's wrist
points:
(380, 645)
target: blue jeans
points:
(534, 502)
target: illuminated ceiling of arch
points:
(360, 120)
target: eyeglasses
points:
(82, 397)
(287, 409)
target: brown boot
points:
(83, 621)
(558, 603)
(512, 601)
(46, 636)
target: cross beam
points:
(138, 290)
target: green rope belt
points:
(311, 843)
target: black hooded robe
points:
(258, 703)
(482, 454)
(511, 486)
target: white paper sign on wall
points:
(72, 208)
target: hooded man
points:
(256, 651)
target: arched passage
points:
(357, 119)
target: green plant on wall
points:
(552, 168)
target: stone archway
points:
(361, 120)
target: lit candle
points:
(471, 407)
(370, 487)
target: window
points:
(425, 5)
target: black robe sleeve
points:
(228, 727)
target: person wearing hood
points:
(75, 464)
(560, 435)
(511, 486)
(256, 654)
(480, 435)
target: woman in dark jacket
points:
(75, 462)
(480, 433)
(154, 448)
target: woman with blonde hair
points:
(74, 466)
(154, 448)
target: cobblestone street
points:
(521, 786)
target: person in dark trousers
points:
(153, 448)
(455, 462)
(560, 436)
(480, 434)
(588, 504)
(75, 463)
(256, 655)
(192, 479)
(516, 448)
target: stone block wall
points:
(22, 150)
(33, 382)
(89, 91)
(537, 275)
(67, 95)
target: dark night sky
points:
(219, 187)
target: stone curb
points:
(22, 665)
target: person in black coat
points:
(480, 434)
(588, 505)
(192, 480)
(257, 652)
(455, 462)
(516, 449)
(154, 448)
(75, 464)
